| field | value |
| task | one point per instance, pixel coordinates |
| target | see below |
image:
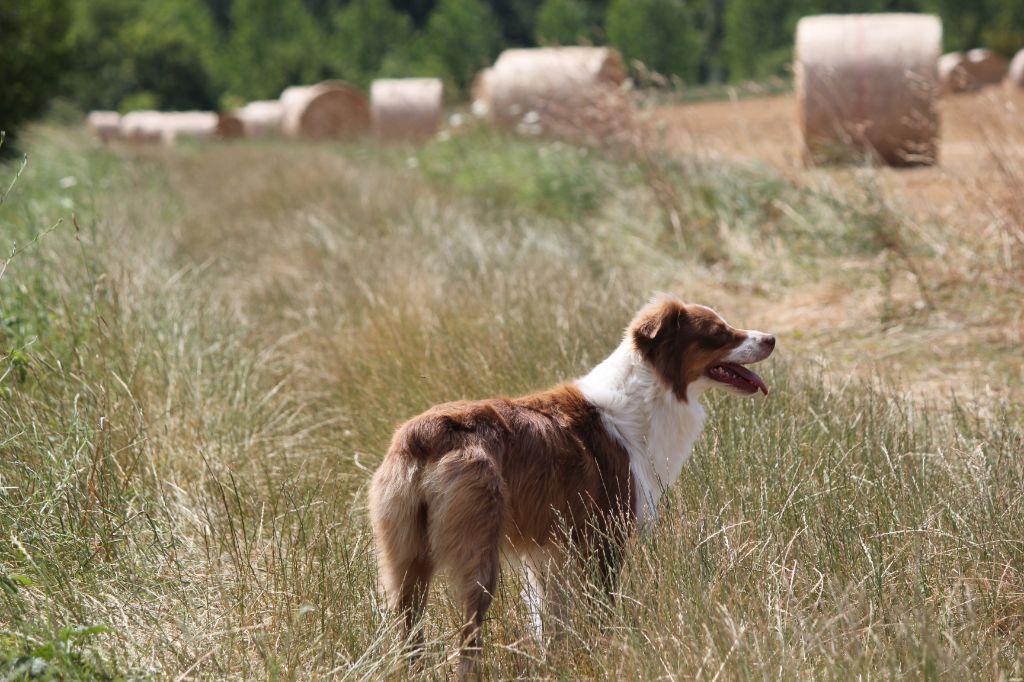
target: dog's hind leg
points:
(477, 592)
(467, 514)
(399, 517)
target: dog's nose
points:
(768, 341)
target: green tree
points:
(417, 10)
(273, 44)
(659, 33)
(122, 48)
(515, 19)
(464, 37)
(170, 48)
(711, 24)
(759, 34)
(101, 74)
(220, 10)
(1004, 32)
(562, 22)
(33, 52)
(996, 24)
(367, 31)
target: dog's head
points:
(690, 344)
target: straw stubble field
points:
(953, 231)
(204, 361)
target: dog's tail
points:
(438, 501)
(398, 514)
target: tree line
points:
(209, 54)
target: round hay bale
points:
(984, 67)
(1015, 76)
(866, 87)
(229, 126)
(479, 92)
(142, 127)
(952, 74)
(262, 117)
(179, 125)
(970, 72)
(331, 109)
(106, 125)
(406, 107)
(550, 85)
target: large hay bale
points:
(552, 85)
(1015, 76)
(262, 117)
(142, 127)
(406, 107)
(196, 125)
(331, 109)
(106, 125)
(866, 87)
(229, 126)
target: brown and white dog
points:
(571, 468)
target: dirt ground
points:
(981, 148)
(969, 210)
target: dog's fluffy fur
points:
(574, 467)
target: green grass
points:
(198, 381)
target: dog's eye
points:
(713, 340)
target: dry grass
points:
(951, 274)
(197, 383)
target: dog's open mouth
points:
(737, 376)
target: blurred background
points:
(217, 54)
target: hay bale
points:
(262, 117)
(406, 107)
(866, 87)
(229, 126)
(142, 127)
(106, 125)
(551, 85)
(970, 72)
(1015, 76)
(331, 109)
(952, 74)
(480, 93)
(984, 67)
(179, 125)
(168, 127)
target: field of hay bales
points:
(204, 349)
(953, 234)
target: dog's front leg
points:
(533, 597)
(544, 596)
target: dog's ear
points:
(656, 319)
(647, 329)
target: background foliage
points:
(32, 54)
(181, 54)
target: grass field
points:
(203, 352)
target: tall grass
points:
(200, 376)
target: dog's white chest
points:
(656, 429)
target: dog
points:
(576, 467)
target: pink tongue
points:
(748, 375)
